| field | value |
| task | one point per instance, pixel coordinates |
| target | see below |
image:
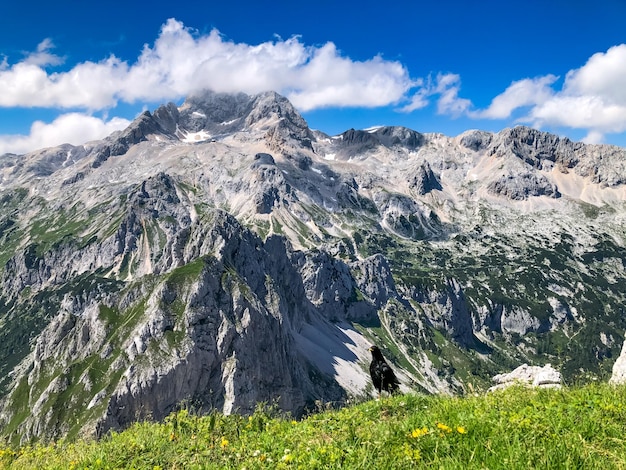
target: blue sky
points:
(73, 71)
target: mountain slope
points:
(223, 253)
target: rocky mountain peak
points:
(284, 124)
(391, 136)
(211, 111)
(475, 140)
(535, 147)
(604, 164)
(208, 115)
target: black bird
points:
(382, 375)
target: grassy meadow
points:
(518, 428)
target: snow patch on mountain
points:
(193, 137)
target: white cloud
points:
(419, 100)
(592, 98)
(43, 56)
(602, 76)
(581, 112)
(446, 87)
(526, 92)
(181, 62)
(327, 79)
(72, 128)
(593, 137)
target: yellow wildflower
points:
(461, 430)
(443, 427)
(419, 432)
(224, 443)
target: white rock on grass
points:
(619, 369)
(534, 376)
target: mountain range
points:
(221, 253)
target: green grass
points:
(513, 429)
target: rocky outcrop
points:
(220, 114)
(508, 320)
(521, 187)
(535, 147)
(534, 376)
(391, 136)
(214, 112)
(405, 216)
(424, 180)
(475, 140)
(446, 309)
(541, 150)
(375, 280)
(618, 375)
(168, 117)
(355, 142)
(143, 126)
(268, 186)
(285, 126)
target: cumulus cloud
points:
(419, 100)
(526, 92)
(593, 137)
(71, 128)
(602, 76)
(180, 62)
(581, 112)
(592, 98)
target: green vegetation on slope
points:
(514, 429)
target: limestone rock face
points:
(540, 150)
(218, 332)
(424, 180)
(520, 187)
(447, 309)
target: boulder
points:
(619, 368)
(533, 376)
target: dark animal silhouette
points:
(382, 375)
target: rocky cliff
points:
(221, 254)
